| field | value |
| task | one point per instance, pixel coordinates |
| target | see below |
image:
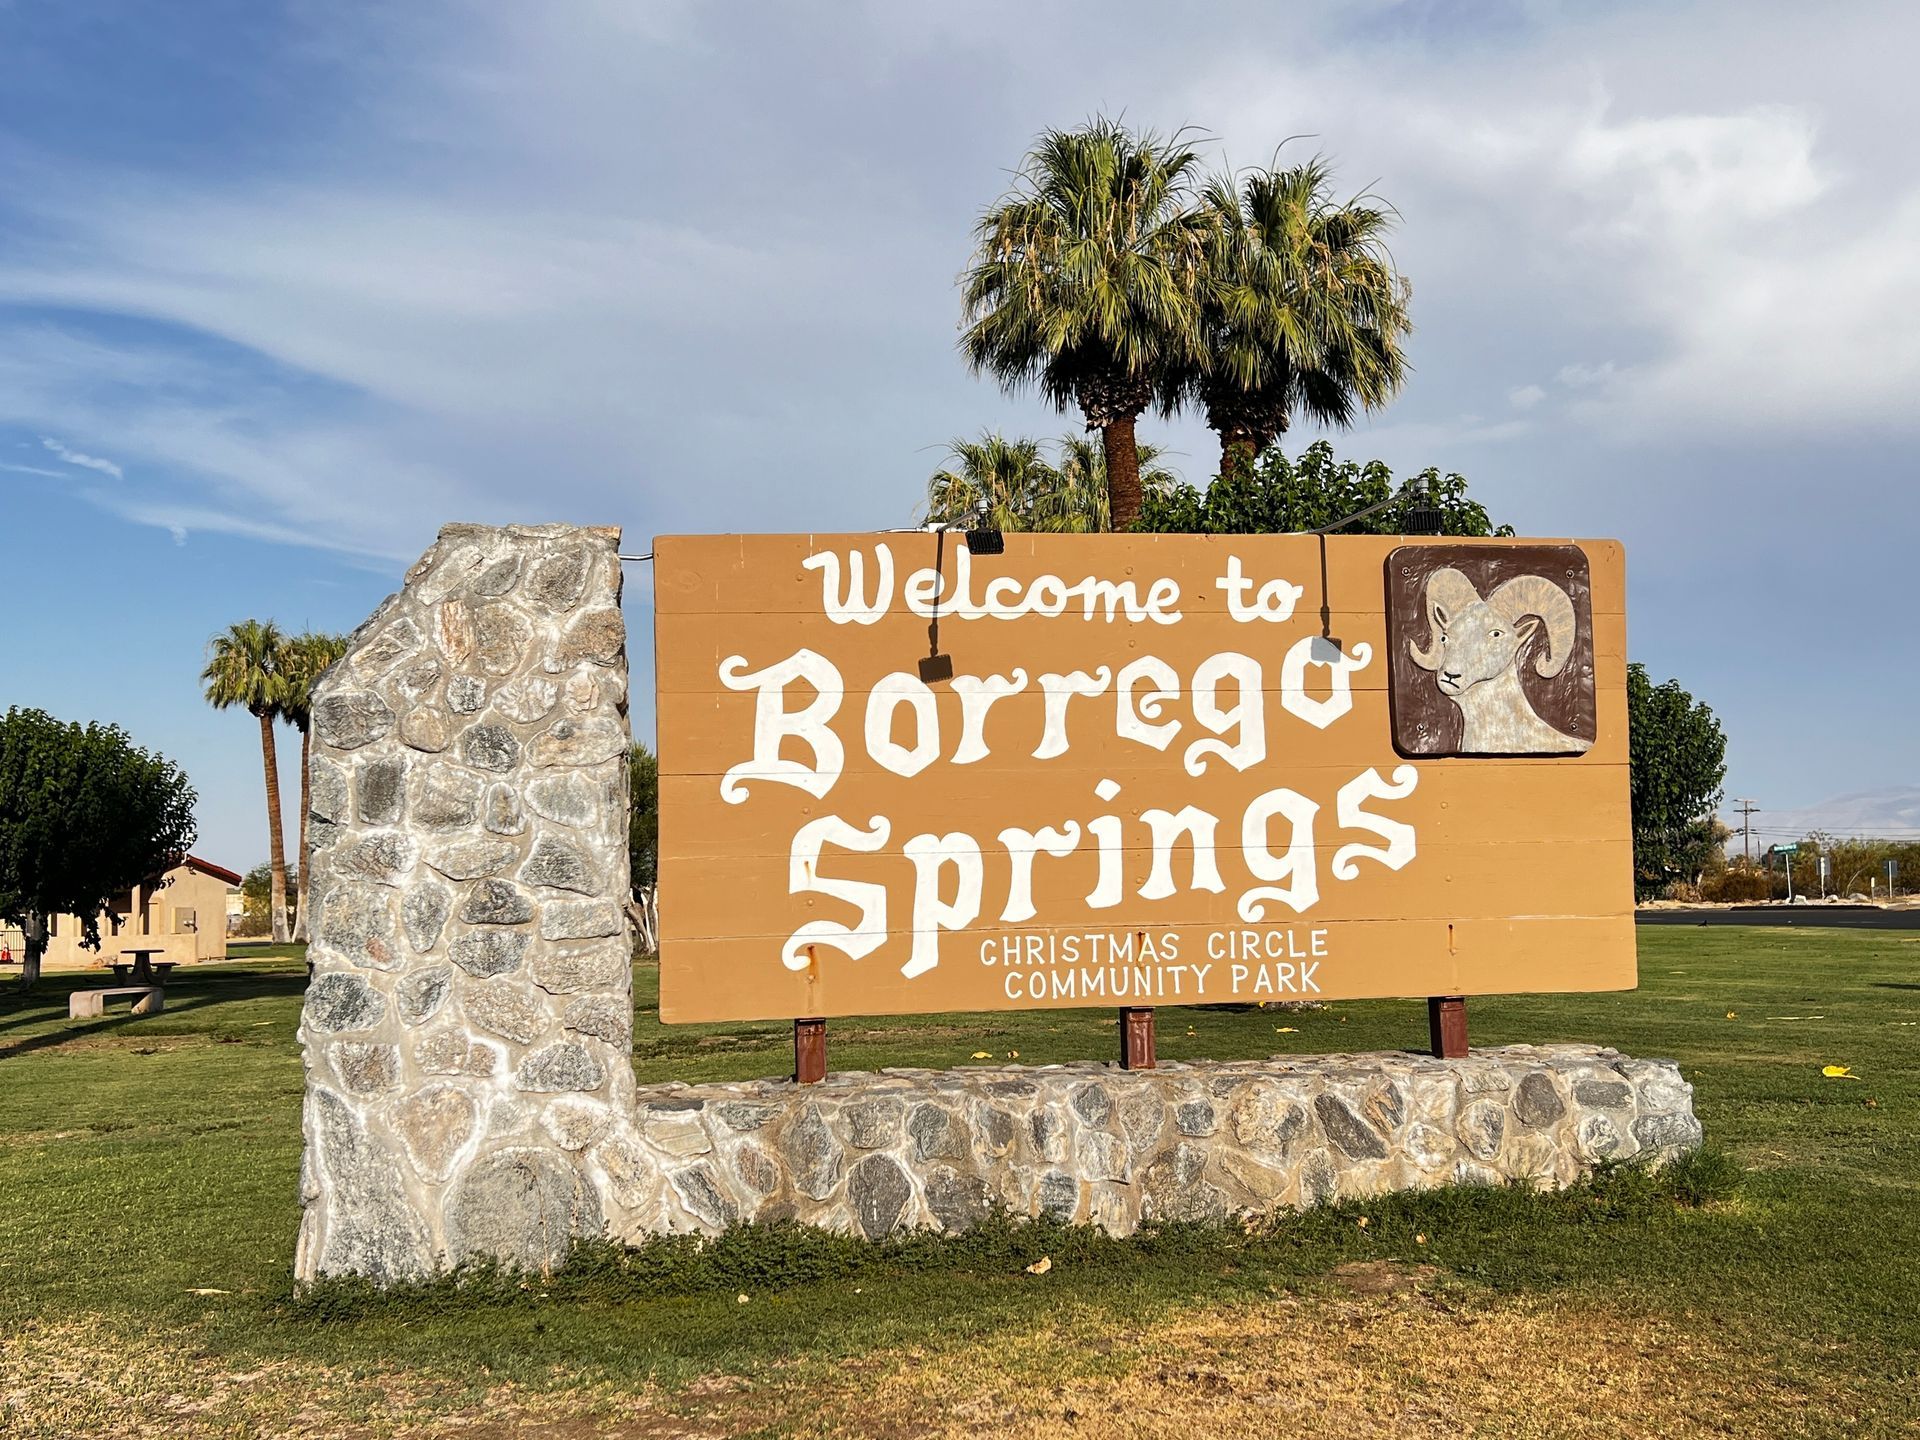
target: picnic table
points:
(141, 967)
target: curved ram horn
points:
(1447, 589)
(1537, 595)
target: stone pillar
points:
(467, 1029)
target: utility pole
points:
(1747, 810)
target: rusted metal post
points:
(809, 1051)
(1136, 1037)
(1447, 1026)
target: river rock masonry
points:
(467, 1025)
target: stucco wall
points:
(186, 888)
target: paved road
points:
(1848, 917)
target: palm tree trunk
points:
(1236, 452)
(276, 840)
(302, 891)
(1238, 440)
(1123, 473)
(1123, 511)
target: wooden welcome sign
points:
(1118, 770)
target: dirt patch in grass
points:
(81, 1043)
(85, 1378)
(1374, 1349)
(1379, 1350)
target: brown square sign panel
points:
(1491, 650)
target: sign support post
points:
(809, 1051)
(1136, 1037)
(1447, 1026)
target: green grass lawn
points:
(150, 1170)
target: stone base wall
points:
(878, 1153)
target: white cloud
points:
(1579, 377)
(85, 462)
(500, 301)
(1735, 255)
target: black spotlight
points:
(1424, 517)
(983, 536)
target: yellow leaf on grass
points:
(1838, 1072)
(739, 1299)
(983, 1055)
(1733, 1014)
(1285, 1030)
(1041, 1266)
(1013, 1054)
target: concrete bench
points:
(87, 1004)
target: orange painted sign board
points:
(1100, 770)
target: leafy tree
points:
(643, 818)
(1678, 760)
(1301, 309)
(1023, 492)
(245, 668)
(84, 816)
(1857, 865)
(1082, 281)
(1279, 496)
(303, 660)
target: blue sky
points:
(284, 287)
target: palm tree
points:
(1080, 503)
(1023, 492)
(243, 668)
(1084, 280)
(1301, 309)
(303, 660)
(1001, 474)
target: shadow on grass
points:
(784, 1256)
(46, 1005)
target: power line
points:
(1746, 811)
(1883, 832)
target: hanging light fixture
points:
(983, 536)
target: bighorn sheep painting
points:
(1495, 636)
